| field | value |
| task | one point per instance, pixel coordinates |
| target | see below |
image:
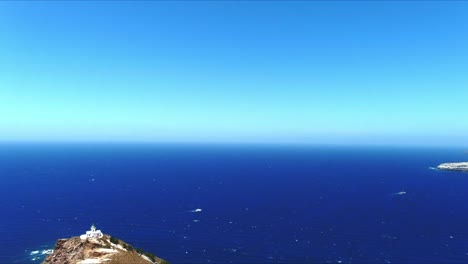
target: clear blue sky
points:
(312, 72)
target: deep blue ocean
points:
(259, 203)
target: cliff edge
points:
(104, 249)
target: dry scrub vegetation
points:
(128, 258)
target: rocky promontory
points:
(104, 249)
(455, 166)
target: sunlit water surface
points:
(256, 204)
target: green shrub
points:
(127, 247)
(139, 250)
(114, 240)
(150, 256)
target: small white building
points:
(93, 233)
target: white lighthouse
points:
(93, 233)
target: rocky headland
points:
(455, 166)
(104, 249)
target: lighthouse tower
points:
(93, 233)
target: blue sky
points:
(305, 72)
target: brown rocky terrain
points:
(106, 250)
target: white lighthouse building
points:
(93, 233)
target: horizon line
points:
(231, 142)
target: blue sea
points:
(256, 203)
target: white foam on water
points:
(47, 251)
(39, 255)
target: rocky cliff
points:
(457, 166)
(106, 250)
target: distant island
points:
(455, 166)
(94, 247)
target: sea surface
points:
(256, 203)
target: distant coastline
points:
(454, 166)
